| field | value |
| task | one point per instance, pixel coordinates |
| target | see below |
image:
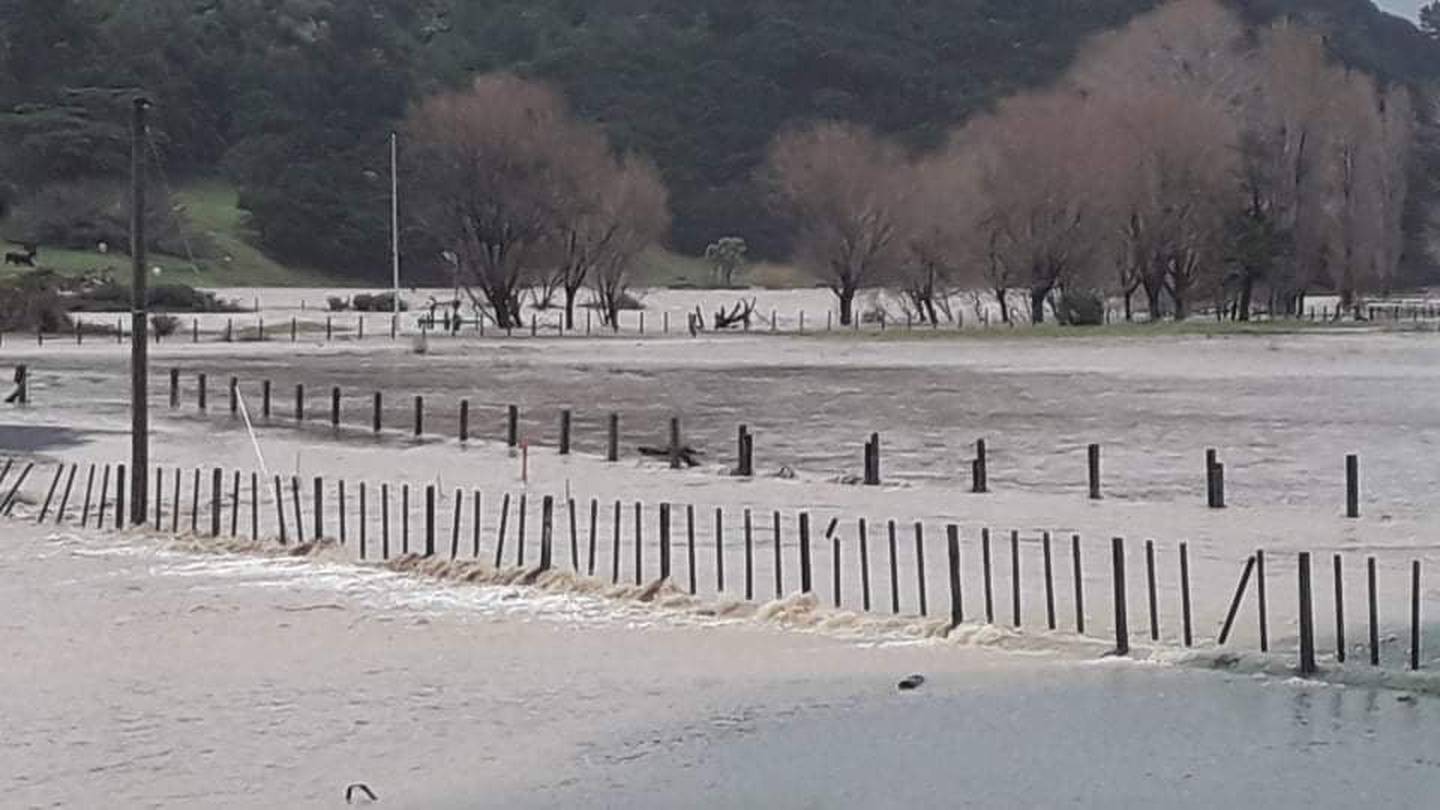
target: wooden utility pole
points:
(139, 345)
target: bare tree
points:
(841, 186)
(1034, 155)
(636, 206)
(492, 175)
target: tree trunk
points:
(847, 305)
(1247, 291)
(570, 295)
(1004, 307)
(1129, 312)
(1152, 302)
(1037, 304)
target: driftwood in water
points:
(688, 455)
(738, 315)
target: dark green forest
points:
(293, 100)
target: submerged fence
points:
(552, 323)
(333, 412)
(670, 542)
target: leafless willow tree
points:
(635, 214)
(842, 186)
(522, 192)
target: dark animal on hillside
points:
(26, 259)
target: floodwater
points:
(146, 675)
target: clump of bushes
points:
(32, 302)
(376, 302)
(338, 304)
(1081, 308)
(626, 302)
(108, 295)
(164, 325)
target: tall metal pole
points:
(395, 216)
(139, 346)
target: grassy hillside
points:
(217, 224)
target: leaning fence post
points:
(1122, 628)
(1307, 617)
(1235, 602)
(54, 482)
(234, 396)
(299, 516)
(280, 509)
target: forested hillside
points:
(293, 99)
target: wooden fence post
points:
(612, 444)
(957, 609)
(1122, 628)
(720, 549)
(174, 388)
(464, 420)
(987, 576)
(864, 565)
(1185, 629)
(265, 398)
(779, 577)
(749, 556)
(512, 426)
(1415, 615)
(234, 396)
(547, 532)
(299, 402)
(894, 569)
(1049, 581)
(1079, 584)
(1151, 590)
(980, 479)
(565, 420)
(1352, 486)
(1094, 464)
(217, 485)
(805, 581)
(1235, 602)
(664, 517)
(1307, 617)
(1374, 612)
(675, 448)
(375, 413)
(1260, 596)
(419, 415)
(202, 391)
(920, 567)
(335, 407)
(1339, 610)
